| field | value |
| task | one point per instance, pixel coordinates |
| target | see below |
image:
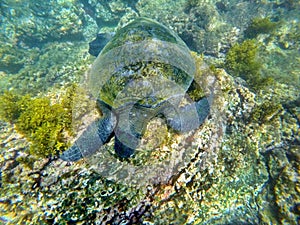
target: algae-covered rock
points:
(244, 166)
(44, 123)
(55, 64)
(235, 170)
(36, 23)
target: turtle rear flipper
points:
(122, 150)
(189, 117)
(97, 133)
(203, 108)
(127, 135)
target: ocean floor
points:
(241, 166)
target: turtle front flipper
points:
(189, 117)
(73, 154)
(96, 134)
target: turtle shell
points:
(144, 63)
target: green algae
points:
(232, 187)
(205, 201)
(260, 26)
(41, 122)
(133, 33)
(9, 109)
(195, 92)
(242, 60)
(265, 112)
(46, 123)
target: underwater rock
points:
(35, 25)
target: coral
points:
(188, 5)
(231, 188)
(287, 4)
(107, 14)
(241, 60)
(91, 190)
(254, 179)
(293, 36)
(64, 22)
(281, 196)
(56, 194)
(260, 26)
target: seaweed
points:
(266, 112)
(260, 26)
(287, 4)
(43, 124)
(46, 125)
(241, 60)
(190, 4)
(10, 106)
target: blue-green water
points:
(241, 166)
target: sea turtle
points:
(144, 71)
